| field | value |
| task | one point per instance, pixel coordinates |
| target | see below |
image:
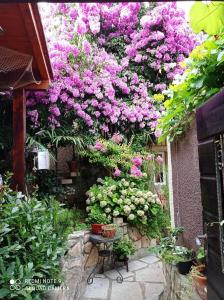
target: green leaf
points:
(4, 292)
(207, 17)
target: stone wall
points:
(186, 185)
(82, 256)
(178, 287)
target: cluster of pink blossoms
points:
(91, 86)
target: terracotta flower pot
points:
(109, 231)
(97, 228)
(200, 282)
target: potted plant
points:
(184, 259)
(198, 274)
(199, 277)
(109, 231)
(123, 249)
(97, 219)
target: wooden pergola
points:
(22, 31)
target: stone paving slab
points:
(126, 290)
(151, 274)
(113, 273)
(150, 259)
(153, 290)
(144, 281)
(136, 265)
(98, 289)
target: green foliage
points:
(97, 216)
(129, 198)
(167, 249)
(124, 248)
(33, 239)
(208, 17)
(58, 137)
(204, 76)
(115, 155)
(200, 255)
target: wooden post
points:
(19, 139)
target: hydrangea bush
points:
(129, 198)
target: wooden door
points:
(210, 128)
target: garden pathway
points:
(144, 281)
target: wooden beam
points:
(35, 39)
(19, 139)
(43, 85)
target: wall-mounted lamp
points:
(1, 31)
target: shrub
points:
(32, 239)
(128, 198)
(124, 248)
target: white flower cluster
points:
(122, 198)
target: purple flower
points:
(117, 138)
(55, 111)
(137, 161)
(135, 171)
(117, 173)
(159, 159)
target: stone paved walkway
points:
(144, 281)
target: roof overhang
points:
(22, 30)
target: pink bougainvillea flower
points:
(159, 159)
(135, 171)
(158, 133)
(117, 138)
(117, 173)
(149, 157)
(100, 147)
(137, 161)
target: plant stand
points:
(104, 254)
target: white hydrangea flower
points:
(140, 213)
(139, 193)
(132, 206)
(124, 192)
(144, 175)
(119, 201)
(116, 213)
(133, 198)
(87, 193)
(146, 207)
(142, 201)
(123, 197)
(100, 196)
(109, 218)
(132, 184)
(136, 201)
(108, 210)
(131, 217)
(88, 201)
(93, 199)
(113, 187)
(88, 209)
(103, 203)
(99, 180)
(127, 209)
(126, 183)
